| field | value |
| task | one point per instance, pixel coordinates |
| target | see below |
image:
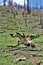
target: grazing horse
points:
(23, 40)
(24, 13)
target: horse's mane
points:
(19, 34)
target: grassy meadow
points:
(8, 25)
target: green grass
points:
(11, 25)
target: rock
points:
(20, 58)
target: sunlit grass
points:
(9, 24)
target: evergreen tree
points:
(28, 8)
(4, 2)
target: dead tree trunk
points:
(25, 21)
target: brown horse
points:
(24, 13)
(23, 40)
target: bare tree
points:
(40, 16)
(24, 4)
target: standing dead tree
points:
(40, 19)
(25, 13)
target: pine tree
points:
(4, 2)
(28, 8)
